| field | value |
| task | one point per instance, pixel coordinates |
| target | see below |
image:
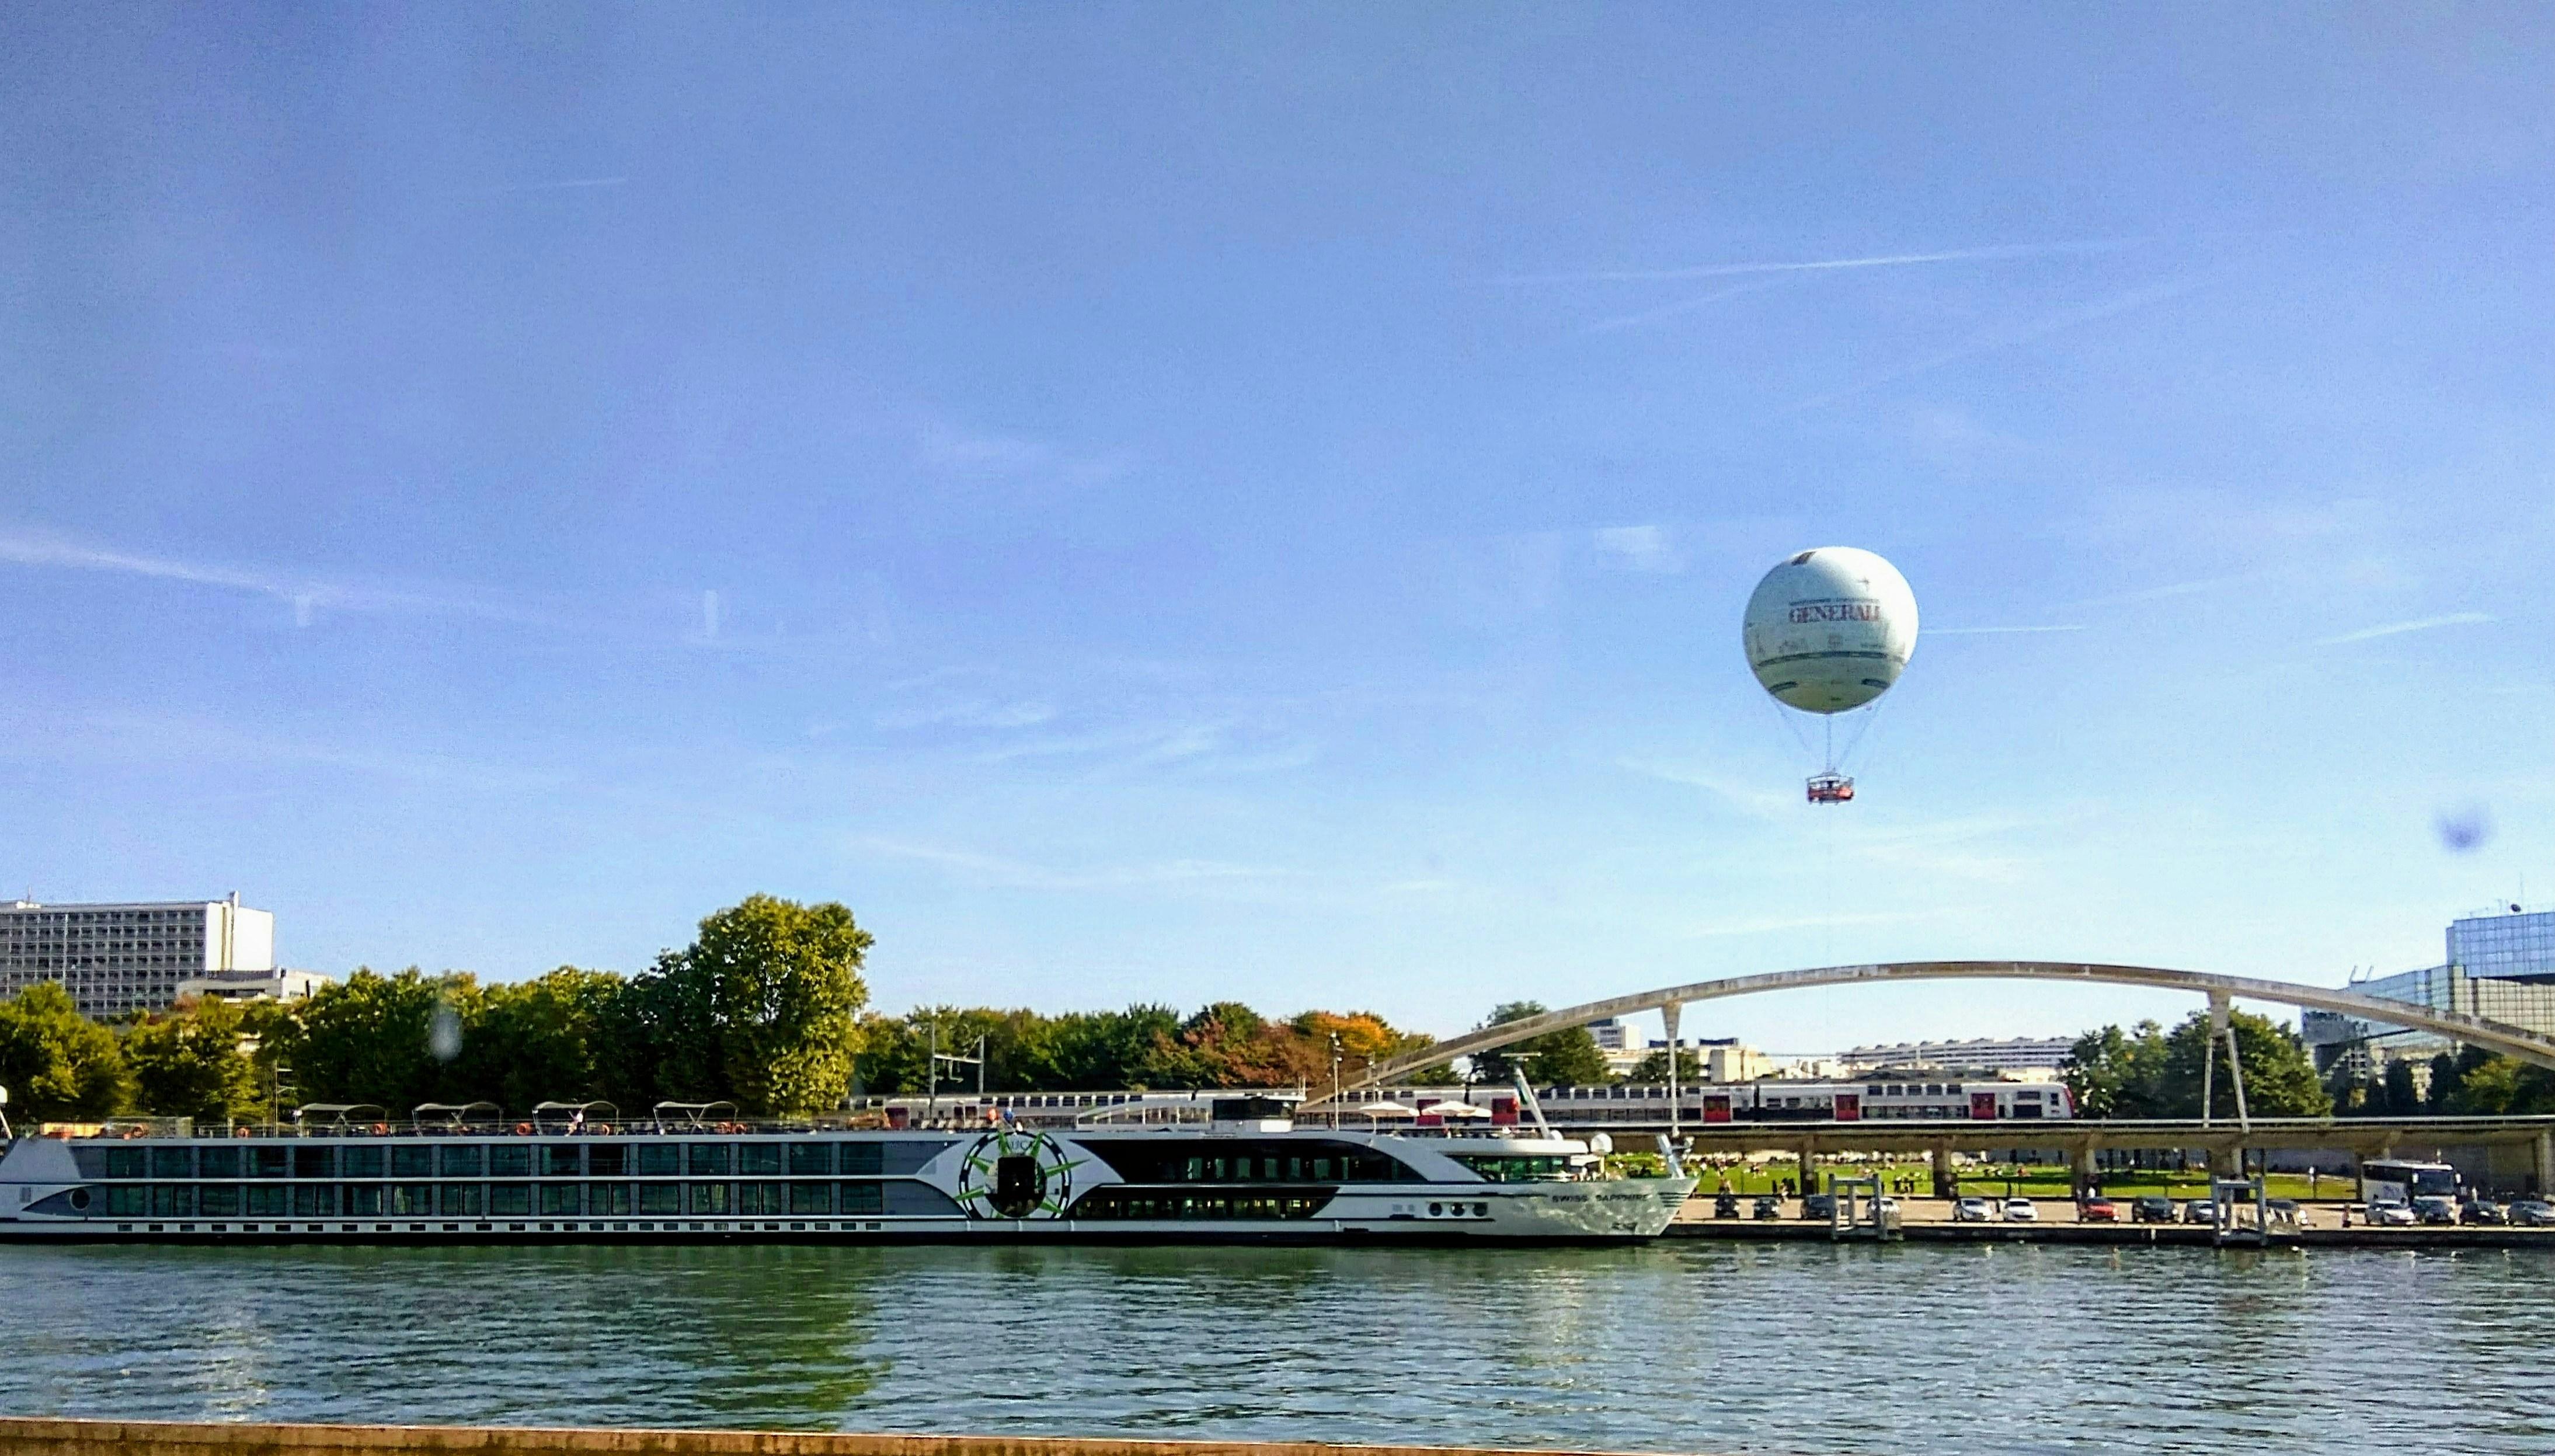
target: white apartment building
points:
(116, 958)
(1984, 1054)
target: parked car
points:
(2285, 1211)
(2535, 1213)
(1885, 1204)
(1974, 1211)
(1819, 1205)
(2151, 1210)
(2387, 1213)
(2200, 1211)
(1769, 1207)
(1725, 1205)
(2483, 1211)
(2435, 1209)
(2097, 1211)
(2022, 1211)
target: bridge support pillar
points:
(2545, 1169)
(1809, 1171)
(2084, 1157)
(1947, 1184)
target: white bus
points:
(2394, 1181)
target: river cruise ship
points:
(1245, 1169)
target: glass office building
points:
(2500, 966)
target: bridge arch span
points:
(2510, 1041)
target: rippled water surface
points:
(1672, 1347)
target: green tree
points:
(2112, 1073)
(2502, 1086)
(552, 1039)
(371, 1039)
(1654, 1068)
(193, 1060)
(763, 1006)
(2399, 1092)
(1567, 1057)
(2279, 1078)
(58, 1064)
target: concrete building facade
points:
(132, 956)
(1984, 1053)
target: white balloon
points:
(1830, 629)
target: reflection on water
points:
(1685, 1347)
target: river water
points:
(1673, 1347)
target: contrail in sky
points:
(1999, 631)
(1828, 265)
(2418, 624)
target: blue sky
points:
(1180, 503)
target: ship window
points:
(758, 1198)
(128, 1202)
(173, 1163)
(807, 1158)
(657, 1161)
(864, 1158)
(266, 1163)
(127, 1162)
(510, 1199)
(266, 1202)
(504, 1162)
(315, 1200)
(757, 1159)
(607, 1198)
(173, 1200)
(467, 1160)
(707, 1157)
(563, 1161)
(607, 1159)
(560, 1197)
(220, 1162)
(810, 1197)
(864, 1198)
(354, 1162)
(315, 1163)
(709, 1197)
(412, 1162)
(461, 1200)
(364, 1201)
(661, 1197)
(408, 1200)
(218, 1200)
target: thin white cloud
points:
(304, 596)
(2003, 631)
(1829, 265)
(974, 714)
(1672, 311)
(2028, 331)
(2168, 590)
(2418, 624)
(1638, 548)
(979, 455)
(999, 870)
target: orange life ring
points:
(601, 1130)
(381, 1129)
(523, 1129)
(242, 1132)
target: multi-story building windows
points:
(120, 958)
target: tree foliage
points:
(193, 1060)
(56, 1064)
(1568, 1058)
(2148, 1072)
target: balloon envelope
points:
(1830, 629)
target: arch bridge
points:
(2517, 1041)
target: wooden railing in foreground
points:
(26, 1436)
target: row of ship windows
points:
(478, 1159)
(472, 1200)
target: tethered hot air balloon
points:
(1827, 631)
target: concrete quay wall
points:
(24, 1436)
